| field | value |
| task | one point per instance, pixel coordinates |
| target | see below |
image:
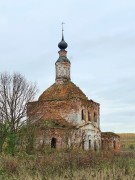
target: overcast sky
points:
(101, 48)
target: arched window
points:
(83, 144)
(99, 144)
(114, 145)
(89, 144)
(53, 142)
(89, 116)
(95, 117)
(83, 114)
(95, 145)
(102, 144)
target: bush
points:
(131, 146)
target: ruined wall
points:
(66, 109)
(62, 68)
(67, 138)
(110, 141)
(51, 138)
(62, 71)
(74, 110)
(91, 111)
(87, 135)
(92, 139)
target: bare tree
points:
(15, 93)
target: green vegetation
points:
(109, 134)
(67, 164)
(127, 141)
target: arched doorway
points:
(53, 142)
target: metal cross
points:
(62, 25)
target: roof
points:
(63, 59)
(67, 90)
(109, 134)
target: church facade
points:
(64, 114)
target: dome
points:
(62, 45)
(63, 91)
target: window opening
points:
(95, 117)
(83, 115)
(89, 116)
(89, 144)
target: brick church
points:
(65, 117)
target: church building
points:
(65, 117)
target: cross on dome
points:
(62, 44)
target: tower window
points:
(83, 114)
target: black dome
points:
(62, 45)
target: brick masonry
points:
(66, 117)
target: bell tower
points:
(62, 65)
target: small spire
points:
(62, 31)
(62, 45)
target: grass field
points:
(127, 141)
(72, 165)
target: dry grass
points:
(127, 141)
(72, 165)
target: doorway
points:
(53, 142)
